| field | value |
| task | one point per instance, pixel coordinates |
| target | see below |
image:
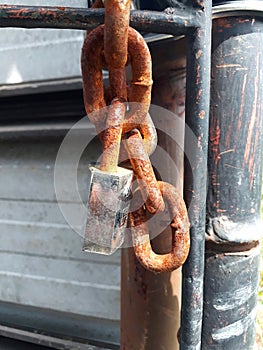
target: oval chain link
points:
(115, 44)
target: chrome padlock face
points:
(107, 210)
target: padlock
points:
(109, 197)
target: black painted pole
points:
(234, 191)
(195, 177)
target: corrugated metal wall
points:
(41, 259)
(46, 282)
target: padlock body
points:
(107, 210)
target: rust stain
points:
(198, 77)
(199, 93)
(224, 22)
(202, 114)
(215, 139)
(198, 54)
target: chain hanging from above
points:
(113, 46)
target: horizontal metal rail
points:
(44, 340)
(172, 21)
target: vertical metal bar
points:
(197, 118)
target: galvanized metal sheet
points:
(41, 258)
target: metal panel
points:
(40, 55)
(41, 258)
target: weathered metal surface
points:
(112, 136)
(41, 258)
(197, 118)
(173, 22)
(230, 301)
(117, 16)
(235, 152)
(234, 191)
(180, 233)
(161, 5)
(60, 324)
(150, 305)
(107, 211)
(144, 172)
(147, 296)
(108, 205)
(25, 340)
(39, 55)
(140, 87)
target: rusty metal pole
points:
(150, 303)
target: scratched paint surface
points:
(234, 191)
(235, 129)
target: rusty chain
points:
(113, 45)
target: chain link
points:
(114, 44)
(180, 232)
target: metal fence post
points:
(197, 118)
(234, 191)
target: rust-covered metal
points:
(180, 241)
(112, 136)
(115, 49)
(91, 64)
(140, 86)
(171, 22)
(117, 16)
(110, 185)
(144, 173)
(149, 138)
(148, 296)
